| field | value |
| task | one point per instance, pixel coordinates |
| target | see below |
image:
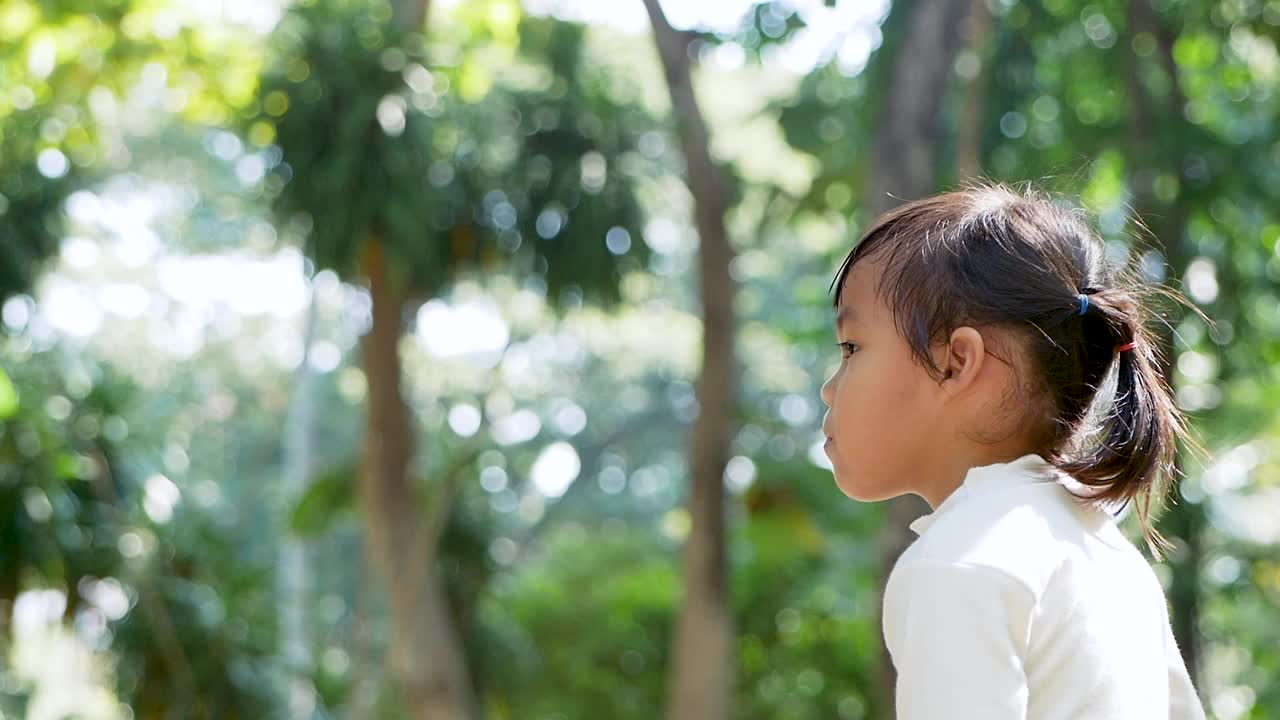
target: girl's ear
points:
(962, 360)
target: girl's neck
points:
(949, 469)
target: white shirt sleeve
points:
(957, 634)
(1184, 704)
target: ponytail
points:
(1136, 456)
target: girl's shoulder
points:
(1028, 533)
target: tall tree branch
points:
(702, 668)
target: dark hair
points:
(991, 255)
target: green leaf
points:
(8, 397)
(329, 496)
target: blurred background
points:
(369, 359)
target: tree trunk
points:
(410, 15)
(426, 650)
(1151, 153)
(903, 168)
(292, 558)
(973, 106)
(702, 666)
(427, 655)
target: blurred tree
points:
(702, 664)
(974, 60)
(415, 163)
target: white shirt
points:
(1018, 601)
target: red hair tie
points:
(1126, 346)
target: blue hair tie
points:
(1084, 304)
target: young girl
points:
(976, 328)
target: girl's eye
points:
(847, 349)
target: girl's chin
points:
(849, 486)
(858, 489)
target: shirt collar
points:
(1028, 469)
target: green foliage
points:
(765, 25)
(29, 207)
(8, 397)
(591, 620)
(573, 181)
(805, 590)
(200, 642)
(834, 117)
(585, 619)
(64, 66)
(57, 485)
(385, 136)
(74, 518)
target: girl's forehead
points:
(860, 284)
(858, 299)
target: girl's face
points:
(883, 418)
